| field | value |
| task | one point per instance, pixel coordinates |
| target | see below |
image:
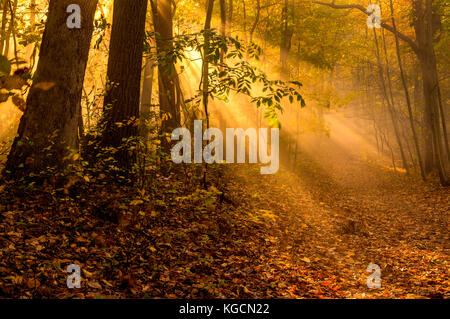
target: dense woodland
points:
(91, 92)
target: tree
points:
(205, 69)
(48, 128)
(169, 102)
(121, 104)
(286, 40)
(407, 96)
(230, 17)
(425, 26)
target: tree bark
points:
(285, 44)
(230, 17)
(205, 72)
(146, 98)
(50, 123)
(424, 33)
(223, 26)
(121, 103)
(407, 97)
(169, 108)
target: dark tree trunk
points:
(49, 125)
(167, 77)
(121, 104)
(423, 26)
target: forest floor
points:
(305, 232)
(332, 223)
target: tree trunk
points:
(223, 26)
(244, 22)
(230, 17)
(407, 97)
(121, 104)
(390, 103)
(444, 124)
(205, 72)
(3, 28)
(258, 15)
(12, 10)
(169, 108)
(285, 44)
(50, 123)
(427, 58)
(146, 98)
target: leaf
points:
(306, 259)
(94, 285)
(5, 65)
(136, 202)
(247, 291)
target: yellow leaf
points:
(154, 214)
(87, 273)
(107, 282)
(136, 202)
(306, 259)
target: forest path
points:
(328, 223)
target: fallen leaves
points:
(185, 242)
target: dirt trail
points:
(331, 222)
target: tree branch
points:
(412, 43)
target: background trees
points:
(325, 44)
(348, 186)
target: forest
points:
(224, 149)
